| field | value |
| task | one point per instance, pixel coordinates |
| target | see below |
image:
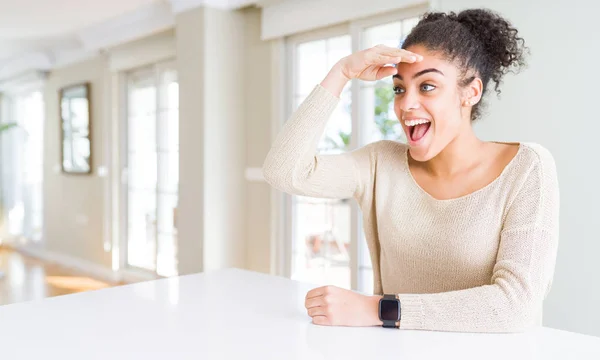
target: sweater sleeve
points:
(293, 164)
(522, 275)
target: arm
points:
(522, 275)
(293, 165)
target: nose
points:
(409, 101)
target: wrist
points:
(374, 310)
(336, 79)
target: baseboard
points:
(81, 266)
(70, 262)
(133, 275)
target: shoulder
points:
(382, 155)
(387, 152)
(537, 197)
(538, 170)
(537, 156)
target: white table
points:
(235, 314)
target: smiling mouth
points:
(417, 128)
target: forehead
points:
(430, 60)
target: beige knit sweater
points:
(483, 262)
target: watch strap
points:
(390, 324)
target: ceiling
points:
(43, 31)
(31, 24)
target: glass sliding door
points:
(152, 169)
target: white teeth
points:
(416, 122)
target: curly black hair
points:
(474, 39)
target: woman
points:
(462, 232)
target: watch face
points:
(389, 310)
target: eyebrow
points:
(422, 72)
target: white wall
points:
(190, 64)
(554, 102)
(74, 205)
(212, 222)
(257, 90)
(225, 140)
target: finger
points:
(321, 320)
(405, 53)
(381, 60)
(405, 57)
(386, 71)
(320, 291)
(389, 49)
(317, 311)
(313, 293)
(314, 302)
(393, 60)
(394, 51)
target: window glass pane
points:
(322, 241)
(22, 165)
(168, 170)
(142, 170)
(387, 34)
(141, 236)
(311, 60)
(408, 25)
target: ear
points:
(472, 93)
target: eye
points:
(427, 87)
(398, 90)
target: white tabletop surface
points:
(235, 314)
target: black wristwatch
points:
(390, 311)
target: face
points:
(429, 103)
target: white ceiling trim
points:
(64, 58)
(28, 81)
(179, 6)
(22, 64)
(142, 52)
(147, 20)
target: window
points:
(22, 165)
(327, 239)
(321, 228)
(152, 169)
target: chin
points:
(421, 148)
(419, 154)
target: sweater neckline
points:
(473, 193)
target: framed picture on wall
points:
(76, 120)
